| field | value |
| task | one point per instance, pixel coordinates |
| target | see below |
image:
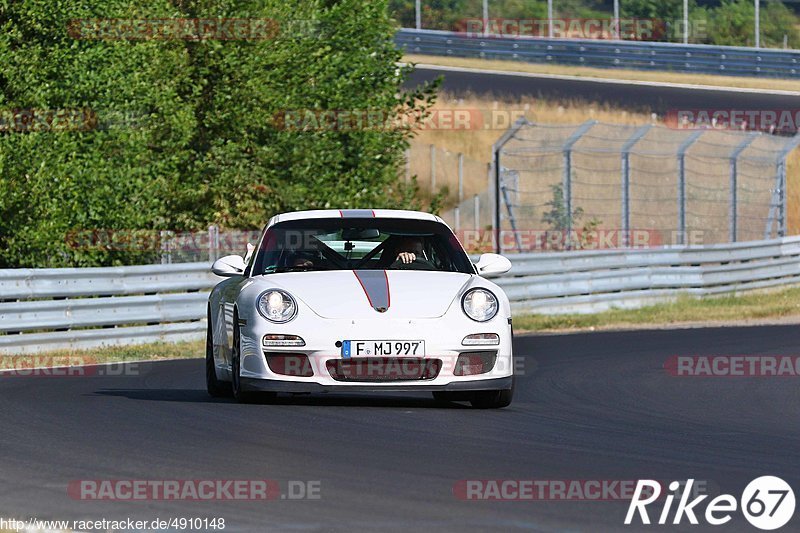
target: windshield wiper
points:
(278, 270)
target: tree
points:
(205, 147)
(733, 24)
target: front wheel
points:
(492, 399)
(214, 386)
(240, 395)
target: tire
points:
(451, 396)
(492, 399)
(239, 394)
(215, 387)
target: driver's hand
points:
(303, 263)
(406, 257)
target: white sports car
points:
(360, 300)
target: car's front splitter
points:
(274, 385)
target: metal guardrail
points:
(592, 281)
(697, 58)
(63, 308)
(49, 309)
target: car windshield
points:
(360, 244)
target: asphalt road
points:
(653, 98)
(588, 407)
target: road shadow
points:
(288, 400)
(163, 395)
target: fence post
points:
(496, 163)
(626, 182)
(511, 217)
(685, 145)
(566, 185)
(460, 178)
(477, 211)
(457, 210)
(734, 193)
(213, 243)
(166, 247)
(433, 169)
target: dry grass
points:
(793, 193)
(476, 145)
(635, 75)
(155, 351)
(760, 306)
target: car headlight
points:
(277, 306)
(480, 305)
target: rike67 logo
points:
(767, 503)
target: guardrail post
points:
(496, 149)
(734, 195)
(566, 185)
(685, 145)
(626, 182)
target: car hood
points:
(368, 293)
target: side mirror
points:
(492, 264)
(228, 266)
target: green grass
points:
(753, 306)
(116, 354)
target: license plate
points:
(382, 348)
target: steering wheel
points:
(416, 264)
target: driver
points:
(408, 249)
(301, 259)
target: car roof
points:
(353, 213)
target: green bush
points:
(185, 134)
(733, 22)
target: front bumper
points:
(271, 385)
(443, 342)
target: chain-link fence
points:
(604, 185)
(457, 180)
(203, 246)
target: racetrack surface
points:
(653, 97)
(589, 406)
